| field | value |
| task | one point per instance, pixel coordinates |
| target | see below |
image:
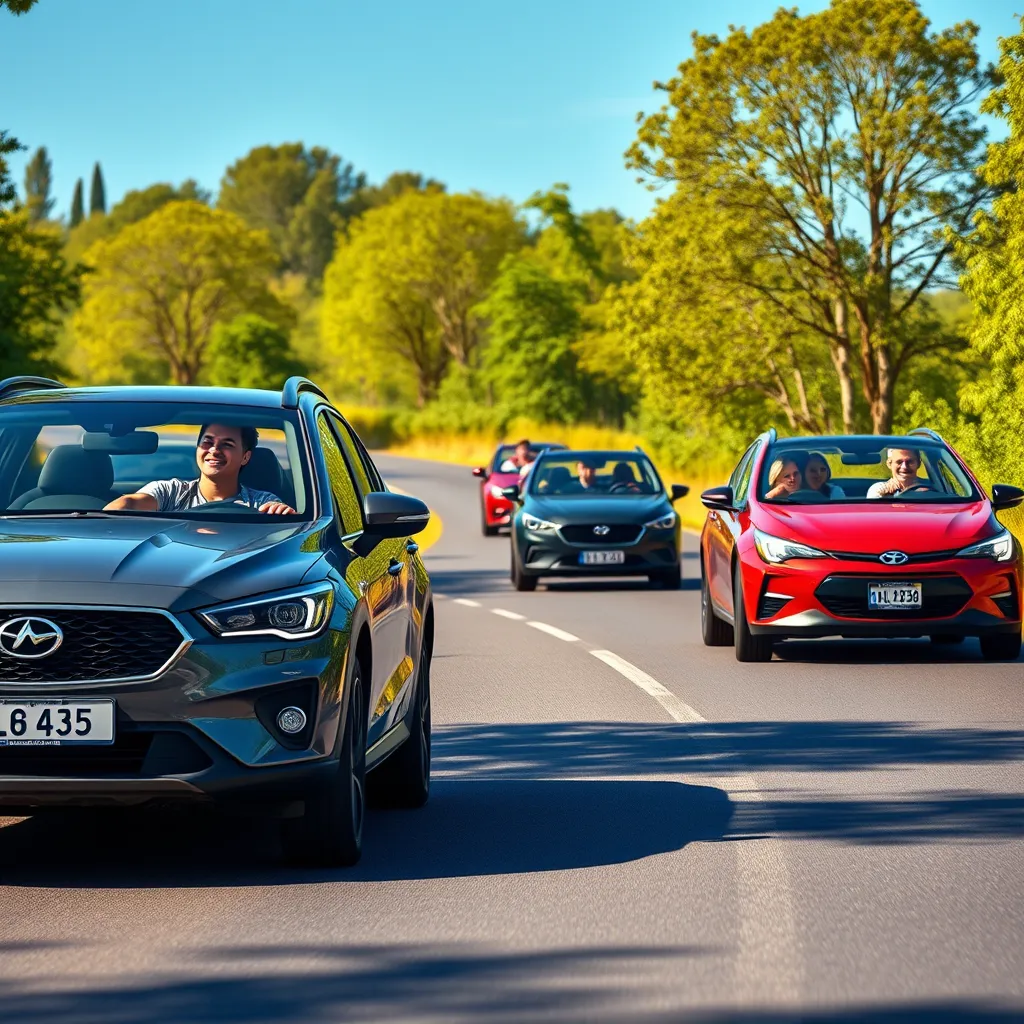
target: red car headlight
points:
(776, 550)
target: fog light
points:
(291, 720)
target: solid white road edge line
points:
(769, 966)
(467, 602)
(514, 616)
(554, 631)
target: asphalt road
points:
(624, 826)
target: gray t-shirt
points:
(177, 495)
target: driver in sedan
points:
(221, 452)
(903, 463)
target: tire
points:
(946, 639)
(520, 580)
(403, 780)
(748, 646)
(714, 631)
(1000, 646)
(330, 831)
(669, 579)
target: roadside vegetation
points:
(835, 246)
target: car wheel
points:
(520, 580)
(748, 646)
(330, 831)
(485, 528)
(670, 579)
(714, 631)
(946, 639)
(1000, 646)
(403, 780)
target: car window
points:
(347, 502)
(578, 474)
(740, 479)
(366, 472)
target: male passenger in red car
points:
(221, 452)
(903, 463)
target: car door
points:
(394, 597)
(723, 532)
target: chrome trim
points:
(778, 597)
(300, 593)
(604, 544)
(186, 642)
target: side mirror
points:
(512, 493)
(1006, 496)
(479, 471)
(718, 498)
(394, 515)
(679, 491)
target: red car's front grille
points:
(846, 597)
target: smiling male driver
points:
(903, 463)
(221, 452)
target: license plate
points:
(602, 557)
(41, 722)
(898, 595)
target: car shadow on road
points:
(469, 828)
(878, 652)
(496, 582)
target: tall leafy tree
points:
(38, 182)
(8, 146)
(157, 290)
(77, 205)
(396, 184)
(17, 6)
(250, 352)
(850, 137)
(97, 191)
(295, 194)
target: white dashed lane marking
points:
(467, 602)
(554, 631)
(505, 614)
(678, 709)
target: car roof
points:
(177, 394)
(533, 444)
(872, 441)
(597, 453)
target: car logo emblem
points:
(42, 636)
(893, 557)
(602, 531)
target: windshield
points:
(619, 474)
(505, 458)
(73, 457)
(907, 469)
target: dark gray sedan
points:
(595, 513)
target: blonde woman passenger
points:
(784, 477)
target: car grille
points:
(770, 606)
(619, 533)
(132, 754)
(919, 559)
(847, 597)
(99, 645)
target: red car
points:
(858, 536)
(495, 508)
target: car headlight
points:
(497, 492)
(533, 523)
(664, 523)
(777, 550)
(292, 615)
(999, 548)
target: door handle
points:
(412, 547)
(395, 568)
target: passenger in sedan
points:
(586, 478)
(818, 477)
(784, 478)
(903, 463)
(221, 452)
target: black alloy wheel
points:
(1000, 646)
(520, 580)
(330, 832)
(748, 646)
(403, 780)
(715, 632)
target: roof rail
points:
(296, 386)
(925, 432)
(14, 385)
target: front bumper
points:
(497, 511)
(547, 553)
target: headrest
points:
(69, 469)
(623, 473)
(560, 476)
(263, 472)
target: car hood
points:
(46, 558)
(599, 509)
(872, 527)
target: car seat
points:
(559, 480)
(263, 472)
(71, 478)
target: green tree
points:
(250, 352)
(297, 196)
(77, 205)
(36, 285)
(850, 137)
(396, 184)
(405, 283)
(157, 290)
(97, 192)
(38, 182)
(17, 6)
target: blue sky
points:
(504, 98)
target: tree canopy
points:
(249, 352)
(38, 183)
(157, 290)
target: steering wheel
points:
(806, 495)
(228, 506)
(912, 488)
(623, 486)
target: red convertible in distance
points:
(495, 508)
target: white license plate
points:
(602, 557)
(899, 595)
(41, 722)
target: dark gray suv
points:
(240, 651)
